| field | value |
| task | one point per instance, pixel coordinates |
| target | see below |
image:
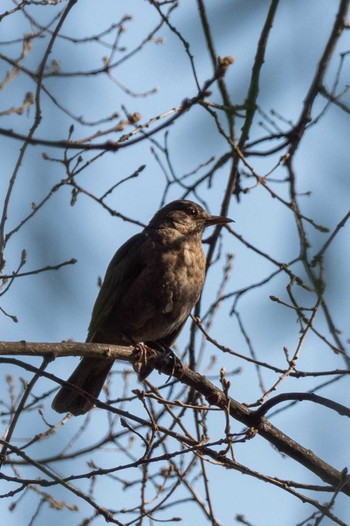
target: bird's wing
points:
(123, 269)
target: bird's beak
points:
(218, 220)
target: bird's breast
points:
(182, 278)
(162, 296)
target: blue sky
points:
(56, 305)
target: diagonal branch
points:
(200, 383)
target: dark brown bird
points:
(149, 290)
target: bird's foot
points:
(144, 358)
(167, 358)
(148, 356)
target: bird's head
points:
(186, 217)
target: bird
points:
(150, 287)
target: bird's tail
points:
(90, 375)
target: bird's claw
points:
(176, 365)
(143, 360)
(148, 356)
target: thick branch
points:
(54, 350)
(213, 394)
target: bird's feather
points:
(123, 269)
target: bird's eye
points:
(193, 212)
